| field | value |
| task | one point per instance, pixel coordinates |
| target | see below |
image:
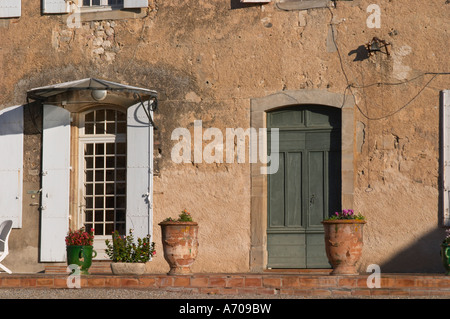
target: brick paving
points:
(246, 284)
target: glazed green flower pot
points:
(81, 256)
(445, 255)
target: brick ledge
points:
(307, 285)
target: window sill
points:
(110, 13)
(301, 4)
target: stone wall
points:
(207, 60)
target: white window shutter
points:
(139, 172)
(445, 107)
(10, 8)
(55, 183)
(135, 3)
(11, 164)
(55, 6)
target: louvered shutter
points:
(55, 6)
(10, 8)
(135, 3)
(11, 164)
(445, 111)
(55, 183)
(139, 172)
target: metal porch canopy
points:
(43, 93)
(59, 101)
(74, 95)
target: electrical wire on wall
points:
(350, 86)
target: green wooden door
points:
(307, 186)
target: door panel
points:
(286, 250)
(316, 256)
(294, 189)
(306, 187)
(276, 218)
(316, 189)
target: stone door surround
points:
(258, 110)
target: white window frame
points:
(63, 6)
(104, 6)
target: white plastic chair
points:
(5, 230)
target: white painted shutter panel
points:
(55, 183)
(55, 6)
(135, 3)
(11, 164)
(10, 8)
(445, 106)
(139, 172)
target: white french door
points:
(103, 174)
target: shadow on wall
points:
(421, 257)
(237, 4)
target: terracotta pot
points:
(119, 268)
(343, 244)
(180, 245)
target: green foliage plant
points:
(128, 250)
(185, 216)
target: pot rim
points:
(344, 221)
(175, 223)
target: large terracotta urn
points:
(343, 244)
(180, 245)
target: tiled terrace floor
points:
(267, 283)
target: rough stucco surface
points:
(208, 59)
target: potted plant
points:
(180, 243)
(344, 241)
(129, 256)
(445, 252)
(79, 249)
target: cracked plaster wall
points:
(208, 59)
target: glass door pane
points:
(103, 175)
(105, 187)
